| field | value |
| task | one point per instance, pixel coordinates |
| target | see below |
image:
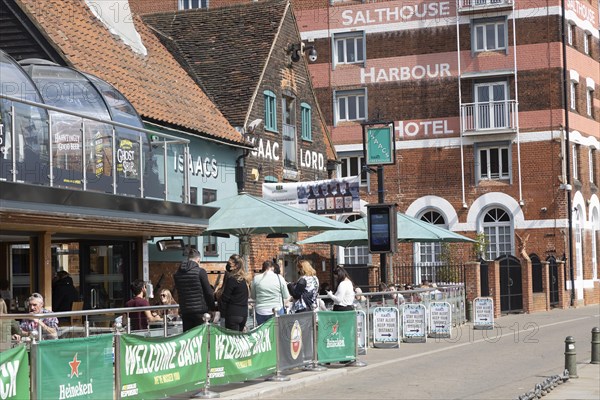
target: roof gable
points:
(156, 84)
(226, 48)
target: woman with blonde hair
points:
(233, 303)
(306, 288)
(165, 297)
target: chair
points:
(77, 320)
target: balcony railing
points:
(473, 5)
(488, 116)
(50, 146)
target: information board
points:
(440, 319)
(483, 313)
(385, 327)
(414, 323)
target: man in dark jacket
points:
(195, 294)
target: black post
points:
(381, 200)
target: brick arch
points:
(492, 200)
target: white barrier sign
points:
(385, 327)
(483, 313)
(361, 334)
(414, 323)
(440, 319)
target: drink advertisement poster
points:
(336, 336)
(325, 197)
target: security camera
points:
(312, 55)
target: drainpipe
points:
(567, 150)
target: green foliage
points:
(480, 246)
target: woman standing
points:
(306, 289)
(233, 302)
(269, 290)
(343, 298)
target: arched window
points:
(429, 255)
(497, 229)
(578, 220)
(536, 274)
(355, 254)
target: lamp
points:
(277, 236)
(295, 50)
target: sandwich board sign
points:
(440, 319)
(483, 313)
(361, 332)
(385, 327)
(414, 323)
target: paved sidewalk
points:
(587, 386)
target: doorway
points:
(511, 285)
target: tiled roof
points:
(156, 84)
(226, 48)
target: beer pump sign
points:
(379, 144)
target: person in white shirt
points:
(343, 299)
(269, 290)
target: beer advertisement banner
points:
(336, 336)
(14, 374)
(295, 346)
(157, 367)
(79, 368)
(326, 197)
(237, 356)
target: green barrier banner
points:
(75, 368)
(158, 367)
(336, 336)
(14, 374)
(236, 356)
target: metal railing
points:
(483, 4)
(89, 154)
(441, 274)
(487, 116)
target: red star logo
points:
(75, 366)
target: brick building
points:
(496, 109)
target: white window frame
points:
(354, 41)
(495, 232)
(573, 92)
(491, 113)
(348, 99)
(289, 133)
(592, 164)
(579, 234)
(586, 43)
(595, 244)
(189, 4)
(504, 172)
(344, 168)
(570, 34)
(355, 254)
(575, 159)
(589, 102)
(481, 29)
(428, 255)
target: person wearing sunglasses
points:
(166, 298)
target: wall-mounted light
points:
(295, 51)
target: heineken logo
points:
(334, 338)
(8, 379)
(75, 366)
(296, 340)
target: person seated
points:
(166, 298)
(28, 326)
(139, 319)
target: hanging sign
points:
(326, 197)
(379, 145)
(440, 319)
(414, 323)
(385, 327)
(483, 313)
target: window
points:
(350, 105)
(570, 34)
(429, 255)
(489, 36)
(193, 195)
(594, 244)
(579, 235)
(491, 105)
(589, 102)
(357, 254)
(573, 95)
(306, 116)
(270, 111)
(575, 158)
(189, 4)
(348, 48)
(592, 165)
(498, 233)
(352, 166)
(209, 242)
(586, 43)
(494, 162)
(289, 132)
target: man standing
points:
(196, 296)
